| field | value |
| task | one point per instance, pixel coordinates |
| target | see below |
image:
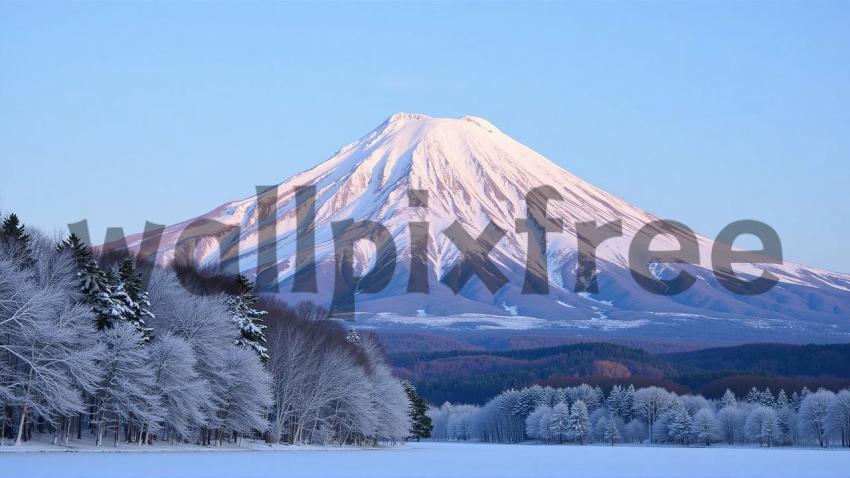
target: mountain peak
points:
(402, 116)
(476, 175)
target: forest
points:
(105, 350)
(475, 376)
(586, 414)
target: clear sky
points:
(704, 112)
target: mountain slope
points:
(474, 174)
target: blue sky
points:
(704, 112)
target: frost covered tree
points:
(246, 396)
(753, 396)
(704, 426)
(527, 400)
(786, 420)
(694, 403)
(388, 396)
(728, 400)
(559, 422)
(679, 423)
(48, 351)
(130, 292)
(612, 431)
(649, 403)
(766, 398)
(626, 403)
(839, 416)
(814, 414)
(730, 423)
(579, 421)
(589, 395)
(614, 400)
(761, 426)
(538, 423)
(183, 393)
(248, 318)
(782, 400)
(126, 395)
(326, 388)
(205, 323)
(97, 292)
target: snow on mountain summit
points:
(474, 173)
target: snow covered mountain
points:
(474, 173)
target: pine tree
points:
(615, 398)
(753, 396)
(97, 292)
(559, 422)
(728, 399)
(795, 400)
(782, 400)
(248, 318)
(14, 234)
(679, 427)
(420, 422)
(135, 298)
(579, 421)
(766, 398)
(12, 229)
(78, 249)
(626, 403)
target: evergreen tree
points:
(766, 398)
(248, 318)
(626, 403)
(728, 399)
(679, 428)
(559, 422)
(753, 396)
(97, 292)
(134, 297)
(782, 400)
(579, 421)
(14, 234)
(78, 249)
(420, 422)
(795, 400)
(615, 398)
(13, 230)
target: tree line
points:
(90, 350)
(586, 414)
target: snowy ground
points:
(437, 460)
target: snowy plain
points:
(443, 460)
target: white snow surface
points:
(438, 460)
(473, 173)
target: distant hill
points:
(777, 359)
(473, 376)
